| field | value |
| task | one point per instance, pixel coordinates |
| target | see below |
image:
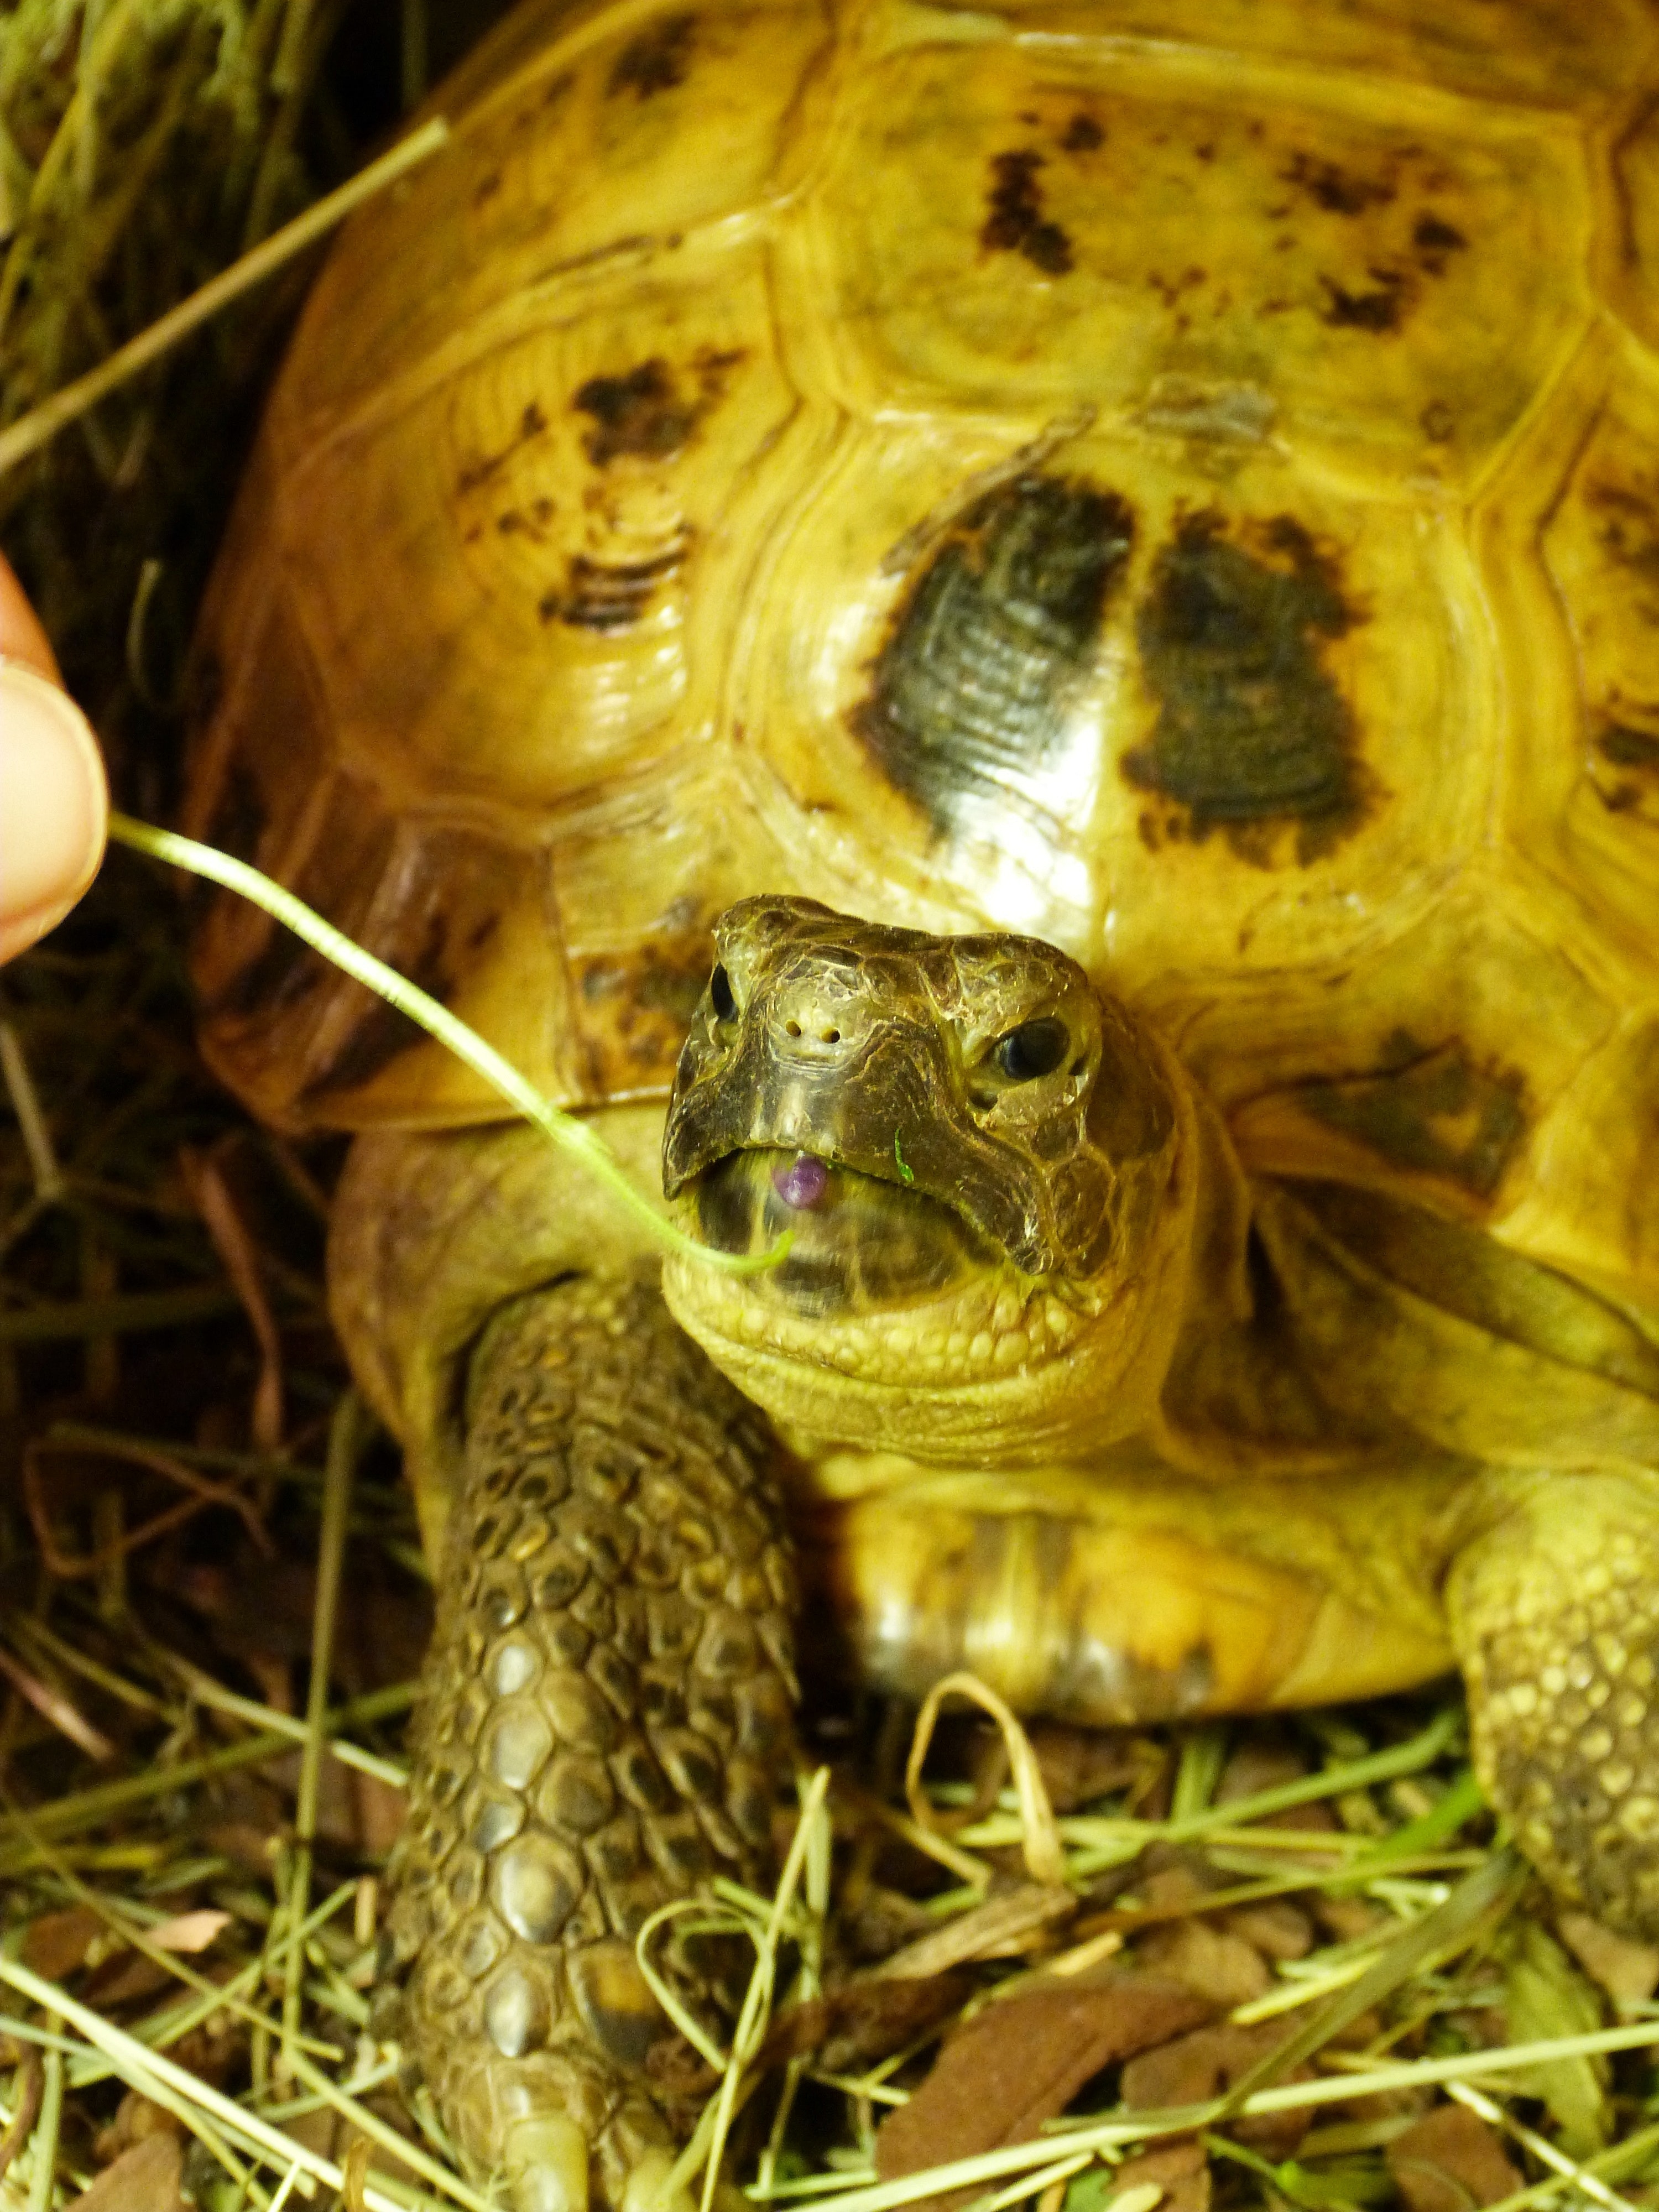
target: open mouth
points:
(883, 1282)
(860, 1244)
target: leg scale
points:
(1555, 1613)
(606, 1714)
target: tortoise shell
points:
(1176, 478)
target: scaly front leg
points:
(606, 1714)
(1554, 1610)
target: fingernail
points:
(54, 805)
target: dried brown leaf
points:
(380, 1809)
(1451, 2161)
(1346, 1919)
(1276, 1929)
(145, 2178)
(126, 1978)
(1197, 2067)
(189, 1931)
(1222, 1968)
(841, 2032)
(1627, 1971)
(1078, 1764)
(1181, 2169)
(135, 2117)
(880, 1920)
(56, 1945)
(1020, 2063)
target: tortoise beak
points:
(828, 1036)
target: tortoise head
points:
(977, 1155)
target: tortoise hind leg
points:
(606, 1711)
(1554, 1611)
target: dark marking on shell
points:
(1253, 733)
(531, 424)
(639, 413)
(993, 634)
(381, 1033)
(437, 901)
(530, 520)
(656, 61)
(238, 815)
(1633, 756)
(1435, 1112)
(1338, 191)
(240, 812)
(1628, 530)
(645, 412)
(349, 853)
(1170, 289)
(1380, 309)
(1436, 240)
(632, 1010)
(1082, 134)
(1014, 221)
(609, 596)
(1628, 748)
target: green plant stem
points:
(567, 1131)
(87, 1808)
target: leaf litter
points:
(1280, 1962)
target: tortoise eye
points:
(1034, 1048)
(720, 992)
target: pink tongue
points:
(802, 1182)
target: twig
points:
(43, 2173)
(59, 1319)
(1540, 2146)
(207, 1691)
(64, 1716)
(87, 1809)
(201, 1495)
(241, 1259)
(1106, 2134)
(42, 424)
(344, 1442)
(30, 2082)
(149, 2068)
(31, 1120)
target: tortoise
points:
(1024, 641)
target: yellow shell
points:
(591, 570)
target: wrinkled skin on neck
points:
(992, 1174)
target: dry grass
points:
(200, 1747)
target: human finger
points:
(54, 802)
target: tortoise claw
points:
(545, 2164)
(648, 2189)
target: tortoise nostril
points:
(791, 1029)
(831, 1037)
